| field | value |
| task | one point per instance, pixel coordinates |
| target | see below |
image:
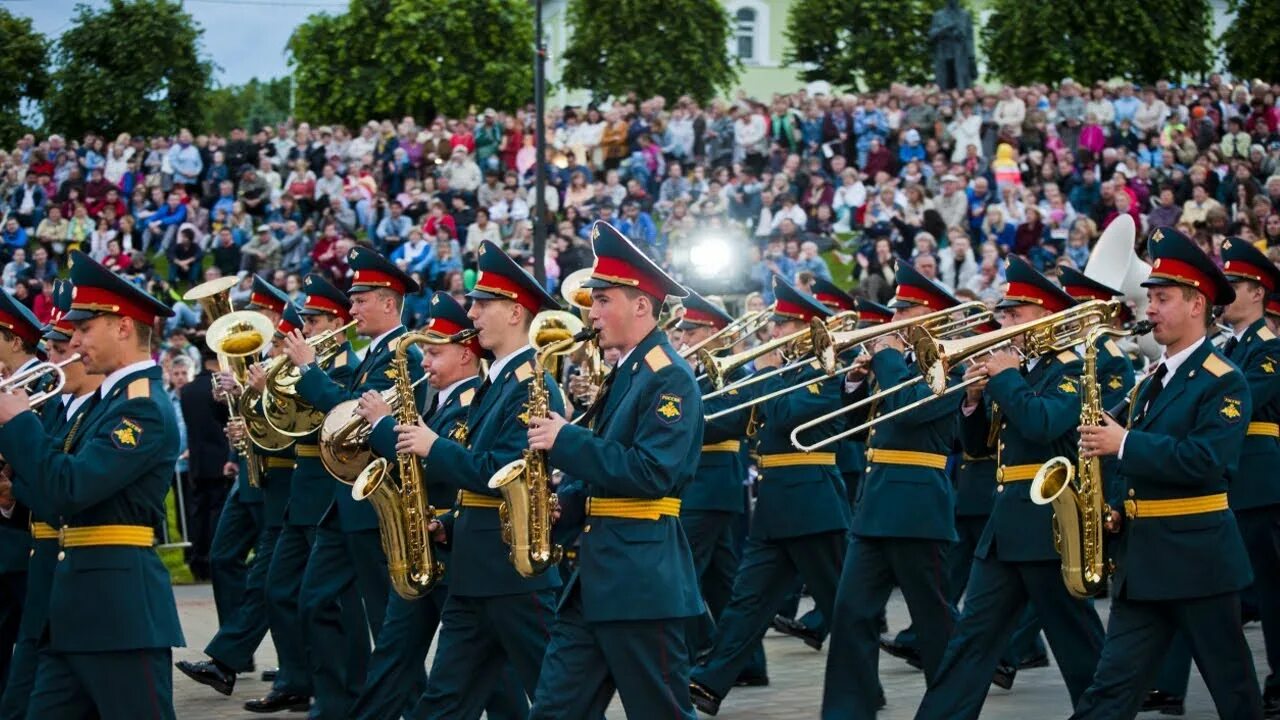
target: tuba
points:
(283, 409)
(528, 500)
(234, 337)
(404, 514)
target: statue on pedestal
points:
(951, 36)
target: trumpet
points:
(286, 412)
(937, 358)
(24, 379)
(814, 340)
(731, 334)
(940, 323)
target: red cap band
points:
(510, 289)
(445, 327)
(264, 300)
(285, 327)
(697, 317)
(920, 296)
(1034, 294)
(375, 278)
(839, 302)
(615, 270)
(21, 329)
(1184, 273)
(1273, 306)
(794, 311)
(872, 318)
(1084, 292)
(92, 299)
(327, 305)
(1249, 271)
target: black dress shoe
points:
(906, 653)
(752, 681)
(269, 675)
(880, 701)
(795, 628)
(703, 699)
(1163, 703)
(1032, 662)
(277, 702)
(1004, 675)
(211, 673)
(1271, 706)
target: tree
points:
(862, 43)
(1026, 41)
(1253, 51)
(132, 66)
(384, 58)
(24, 57)
(252, 106)
(676, 47)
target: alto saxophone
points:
(404, 515)
(529, 504)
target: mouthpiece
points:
(1142, 327)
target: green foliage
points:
(862, 43)
(23, 72)
(252, 106)
(387, 58)
(1252, 43)
(131, 66)
(673, 48)
(1026, 41)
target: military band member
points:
(492, 615)
(105, 648)
(1273, 311)
(238, 581)
(1180, 561)
(1032, 417)
(347, 553)
(396, 679)
(623, 619)
(1254, 495)
(59, 415)
(801, 516)
(906, 469)
(311, 490)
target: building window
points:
(749, 41)
(746, 34)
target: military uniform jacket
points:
(721, 472)
(975, 485)
(15, 530)
(643, 443)
(1256, 483)
(899, 500)
(116, 471)
(1037, 416)
(1185, 445)
(495, 435)
(447, 420)
(324, 391)
(311, 487)
(802, 499)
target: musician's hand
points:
(438, 534)
(769, 360)
(296, 348)
(226, 386)
(230, 469)
(861, 367)
(888, 342)
(13, 404)
(236, 430)
(1102, 440)
(1002, 360)
(583, 390)
(973, 393)
(257, 378)
(543, 431)
(372, 407)
(7, 500)
(416, 439)
(1113, 521)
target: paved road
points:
(795, 670)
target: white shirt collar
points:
(1173, 362)
(376, 342)
(448, 392)
(622, 361)
(76, 403)
(499, 365)
(120, 374)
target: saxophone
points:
(1076, 492)
(529, 503)
(404, 515)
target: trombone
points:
(936, 359)
(939, 323)
(743, 327)
(814, 340)
(25, 378)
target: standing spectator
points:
(869, 124)
(488, 137)
(956, 262)
(208, 452)
(1070, 114)
(749, 138)
(184, 160)
(966, 132)
(1010, 113)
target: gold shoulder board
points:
(656, 359)
(523, 372)
(1114, 349)
(1265, 333)
(140, 388)
(1067, 356)
(465, 397)
(1216, 365)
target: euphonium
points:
(234, 337)
(282, 407)
(528, 500)
(404, 513)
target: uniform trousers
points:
(236, 640)
(119, 685)
(13, 592)
(236, 534)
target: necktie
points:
(1230, 345)
(1154, 387)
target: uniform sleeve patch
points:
(815, 388)
(1115, 382)
(1067, 386)
(459, 432)
(1216, 365)
(391, 373)
(126, 434)
(1268, 365)
(1230, 410)
(669, 408)
(656, 359)
(140, 388)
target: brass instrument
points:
(234, 337)
(592, 366)
(344, 435)
(214, 297)
(936, 358)
(22, 380)
(284, 410)
(814, 340)
(528, 500)
(404, 512)
(1076, 491)
(731, 334)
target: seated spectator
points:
(295, 247)
(996, 230)
(52, 231)
(480, 230)
(956, 262)
(15, 270)
(393, 228)
(639, 227)
(1196, 210)
(226, 253)
(810, 261)
(987, 284)
(42, 267)
(185, 258)
(79, 228)
(261, 253)
(116, 259)
(162, 225)
(414, 254)
(442, 262)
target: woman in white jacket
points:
(966, 130)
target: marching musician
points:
(239, 583)
(1031, 418)
(61, 418)
(108, 484)
(1273, 312)
(1254, 495)
(19, 339)
(347, 552)
(492, 614)
(396, 679)
(623, 618)
(325, 308)
(906, 468)
(801, 516)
